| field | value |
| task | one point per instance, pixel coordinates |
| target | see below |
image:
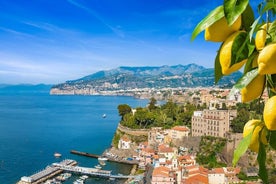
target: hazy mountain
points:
(190, 75)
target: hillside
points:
(126, 78)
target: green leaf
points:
(218, 70)
(269, 6)
(211, 18)
(242, 147)
(248, 66)
(239, 51)
(272, 139)
(248, 18)
(254, 27)
(261, 160)
(272, 31)
(244, 81)
(233, 9)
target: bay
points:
(33, 126)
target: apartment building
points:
(212, 122)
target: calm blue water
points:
(33, 126)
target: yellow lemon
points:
(225, 56)
(261, 36)
(270, 113)
(254, 142)
(253, 90)
(219, 31)
(267, 60)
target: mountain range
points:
(124, 78)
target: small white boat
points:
(84, 177)
(104, 116)
(57, 155)
(102, 159)
(79, 181)
(98, 167)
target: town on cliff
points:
(190, 138)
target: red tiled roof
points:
(148, 150)
(125, 138)
(217, 171)
(161, 171)
(197, 179)
(184, 157)
(180, 128)
(165, 149)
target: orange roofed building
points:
(179, 132)
(162, 175)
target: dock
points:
(68, 165)
(110, 159)
(84, 154)
(49, 172)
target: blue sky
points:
(51, 41)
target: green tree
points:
(152, 104)
(123, 109)
(239, 121)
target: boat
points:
(104, 116)
(102, 159)
(98, 167)
(57, 155)
(79, 181)
(84, 177)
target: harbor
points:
(71, 167)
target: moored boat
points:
(57, 155)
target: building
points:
(179, 132)
(124, 143)
(212, 122)
(216, 176)
(166, 150)
(162, 175)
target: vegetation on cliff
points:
(209, 150)
(166, 115)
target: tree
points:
(238, 122)
(123, 109)
(152, 104)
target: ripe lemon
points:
(270, 113)
(225, 56)
(254, 142)
(261, 37)
(267, 60)
(219, 31)
(253, 90)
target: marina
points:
(69, 166)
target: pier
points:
(70, 166)
(45, 174)
(91, 171)
(110, 159)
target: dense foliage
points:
(245, 112)
(209, 150)
(166, 115)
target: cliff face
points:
(130, 78)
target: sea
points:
(34, 125)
